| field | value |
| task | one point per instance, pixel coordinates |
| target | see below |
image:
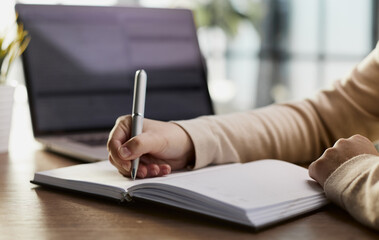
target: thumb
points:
(144, 143)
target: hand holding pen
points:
(160, 147)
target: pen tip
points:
(133, 173)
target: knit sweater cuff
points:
(336, 184)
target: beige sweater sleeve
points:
(355, 187)
(299, 132)
(296, 132)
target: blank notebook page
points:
(251, 185)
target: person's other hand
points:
(342, 151)
(162, 147)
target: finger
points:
(157, 170)
(152, 170)
(342, 144)
(125, 165)
(320, 170)
(144, 143)
(119, 168)
(358, 137)
(312, 170)
(119, 135)
(113, 162)
(164, 169)
(142, 171)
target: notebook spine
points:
(126, 197)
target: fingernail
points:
(165, 171)
(155, 172)
(124, 152)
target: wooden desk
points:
(28, 211)
(31, 212)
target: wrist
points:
(189, 151)
(186, 146)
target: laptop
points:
(80, 65)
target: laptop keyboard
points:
(96, 139)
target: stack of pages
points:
(256, 194)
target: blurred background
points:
(260, 52)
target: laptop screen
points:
(80, 65)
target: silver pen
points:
(138, 110)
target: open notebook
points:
(256, 194)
